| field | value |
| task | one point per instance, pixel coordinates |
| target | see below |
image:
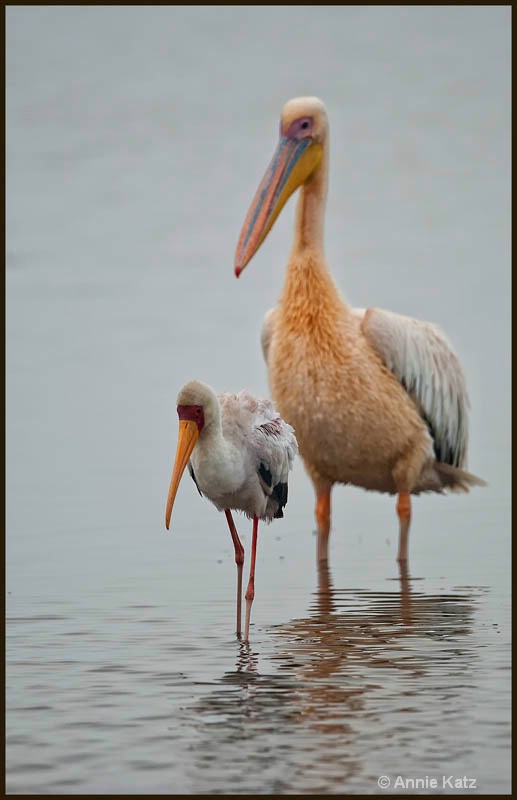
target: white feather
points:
(268, 328)
(244, 451)
(420, 356)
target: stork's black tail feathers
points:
(280, 495)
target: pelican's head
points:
(303, 134)
(198, 408)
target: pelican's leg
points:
(404, 515)
(239, 560)
(250, 591)
(322, 513)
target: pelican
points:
(377, 399)
(239, 452)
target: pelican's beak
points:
(292, 164)
(187, 438)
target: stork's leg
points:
(250, 591)
(239, 560)
(404, 515)
(322, 513)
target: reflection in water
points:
(356, 635)
(360, 660)
(247, 660)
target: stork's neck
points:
(310, 210)
(211, 440)
(216, 460)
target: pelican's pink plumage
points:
(377, 399)
(239, 452)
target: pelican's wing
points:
(268, 327)
(420, 356)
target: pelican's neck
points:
(310, 210)
(309, 290)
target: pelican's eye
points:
(300, 129)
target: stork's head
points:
(198, 407)
(303, 135)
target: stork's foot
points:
(250, 591)
(239, 561)
(250, 594)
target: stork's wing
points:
(422, 359)
(273, 446)
(268, 327)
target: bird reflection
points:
(358, 655)
(351, 637)
(325, 603)
(247, 660)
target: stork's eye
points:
(198, 411)
(305, 125)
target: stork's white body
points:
(227, 460)
(240, 452)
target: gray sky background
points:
(136, 138)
